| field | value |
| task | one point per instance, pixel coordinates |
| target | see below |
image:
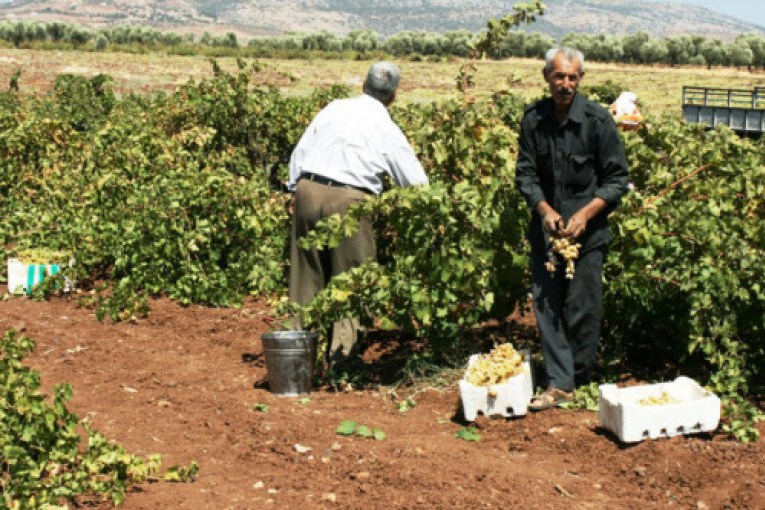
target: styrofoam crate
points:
(511, 397)
(22, 277)
(693, 410)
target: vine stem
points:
(666, 190)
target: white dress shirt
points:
(354, 141)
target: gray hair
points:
(570, 54)
(382, 81)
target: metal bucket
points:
(290, 357)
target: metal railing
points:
(729, 98)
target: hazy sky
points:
(752, 11)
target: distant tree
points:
(511, 46)
(713, 52)
(697, 60)
(757, 45)
(604, 48)
(18, 34)
(740, 54)
(229, 40)
(582, 42)
(632, 45)
(78, 36)
(458, 42)
(680, 50)
(399, 44)
(36, 32)
(56, 31)
(361, 40)
(536, 45)
(654, 51)
(101, 42)
(172, 39)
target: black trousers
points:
(568, 316)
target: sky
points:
(752, 11)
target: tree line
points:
(747, 50)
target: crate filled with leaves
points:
(497, 384)
(658, 410)
(31, 267)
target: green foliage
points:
(451, 254)
(406, 405)
(260, 407)
(497, 41)
(121, 302)
(687, 263)
(497, 30)
(178, 195)
(161, 195)
(585, 397)
(181, 473)
(604, 93)
(43, 461)
(349, 428)
(469, 434)
(51, 285)
(346, 428)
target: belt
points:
(326, 181)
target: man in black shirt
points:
(572, 171)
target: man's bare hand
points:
(553, 222)
(577, 224)
(291, 205)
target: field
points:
(659, 88)
(91, 172)
(185, 383)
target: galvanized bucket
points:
(290, 357)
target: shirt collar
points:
(369, 99)
(575, 113)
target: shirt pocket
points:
(544, 165)
(580, 174)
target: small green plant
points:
(350, 428)
(260, 407)
(585, 397)
(406, 405)
(182, 473)
(123, 303)
(468, 434)
(43, 460)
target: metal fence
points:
(741, 110)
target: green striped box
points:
(23, 277)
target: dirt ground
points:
(185, 383)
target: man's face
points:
(563, 79)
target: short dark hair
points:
(382, 81)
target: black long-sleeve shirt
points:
(570, 163)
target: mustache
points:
(566, 92)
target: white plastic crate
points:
(511, 398)
(22, 277)
(692, 410)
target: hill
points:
(271, 17)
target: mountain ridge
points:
(251, 18)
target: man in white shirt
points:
(340, 160)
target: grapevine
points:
(496, 367)
(40, 256)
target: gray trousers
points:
(568, 316)
(311, 270)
